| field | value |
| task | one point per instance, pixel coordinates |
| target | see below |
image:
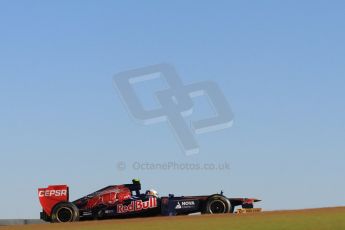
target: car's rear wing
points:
(52, 195)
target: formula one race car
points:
(120, 201)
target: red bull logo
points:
(137, 205)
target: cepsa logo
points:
(44, 193)
(137, 205)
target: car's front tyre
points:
(217, 204)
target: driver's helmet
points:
(151, 192)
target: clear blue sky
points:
(281, 65)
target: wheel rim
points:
(64, 215)
(217, 206)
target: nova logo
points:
(185, 204)
(175, 104)
(188, 203)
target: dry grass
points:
(313, 219)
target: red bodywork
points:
(52, 195)
(110, 196)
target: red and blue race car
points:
(127, 201)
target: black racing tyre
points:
(217, 204)
(65, 212)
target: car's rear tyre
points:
(217, 204)
(65, 212)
